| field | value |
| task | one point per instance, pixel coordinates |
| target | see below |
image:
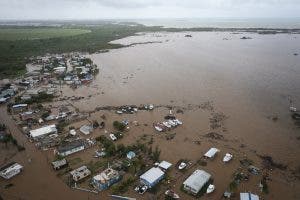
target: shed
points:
(248, 196)
(152, 177)
(40, 132)
(211, 152)
(164, 165)
(196, 181)
(86, 129)
(58, 164)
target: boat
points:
(182, 165)
(151, 107)
(210, 189)
(171, 122)
(293, 109)
(177, 121)
(227, 157)
(113, 137)
(119, 112)
(172, 194)
(166, 124)
(158, 128)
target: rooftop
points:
(43, 131)
(106, 175)
(197, 180)
(70, 145)
(152, 174)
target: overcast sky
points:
(110, 9)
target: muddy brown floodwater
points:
(250, 81)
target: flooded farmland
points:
(252, 82)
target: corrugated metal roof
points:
(43, 131)
(211, 152)
(165, 165)
(197, 180)
(152, 175)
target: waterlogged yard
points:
(12, 34)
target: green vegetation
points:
(8, 138)
(2, 127)
(122, 187)
(40, 98)
(31, 33)
(74, 161)
(155, 154)
(61, 126)
(18, 43)
(14, 54)
(119, 126)
(109, 146)
(94, 166)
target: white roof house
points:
(164, 165)
(196, 181)
(211, 152)
(152, 176)
(43, 131)
(10, 170)
(248, 196)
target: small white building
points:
(248, 196)
(86, 129)
(10, 170)
(211, 152)
(164, 165)
(196, 181)
(44, 131)
(80, 173)
(152, 177)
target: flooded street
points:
(250, 81)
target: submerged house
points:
(211, 153)
(152, 177)
(10, 170)
(106, 179)
(70, 147)
(42, 132)
(195, 182)
(80, 173)
(58, 164)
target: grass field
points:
(38, 33)
(19, 43)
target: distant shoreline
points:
(15, 53)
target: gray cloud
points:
(95, 9)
